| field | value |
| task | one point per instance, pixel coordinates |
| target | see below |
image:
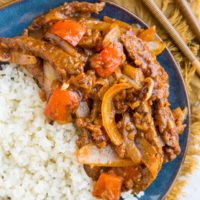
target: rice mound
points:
(37, 160)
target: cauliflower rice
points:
(37, 160)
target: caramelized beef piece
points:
(92, 39)
(92, 171)
(179, 117)
(67, 10)
(84, 138)
(143, 58)
(120, 102)
(165, 122)
(83, 83)
(63, 63)
(134, 178)
(144, 122)
(98, 134)
(36, 70)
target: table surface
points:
(191, 191)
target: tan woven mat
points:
(171, 10)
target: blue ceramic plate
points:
(17, 16)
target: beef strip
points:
(143, 58)
(165, 122)
(144, 122)
(179, 116)
(93, 171)
(63, 63)
(67, 10)
(92, 39)
(36, 70)
(17, 57)
(82, 83)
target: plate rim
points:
(15, 2)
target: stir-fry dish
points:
(103, 75)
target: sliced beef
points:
(167, 128)
(143, 58)
(36, 70)
(144, 123)
(93, 171)
(67, 10)
(91, 39)
(63, 63)
(82, 83)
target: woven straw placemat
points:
(171, 10)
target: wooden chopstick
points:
(4, 3)
(173, 33)
(190, 17)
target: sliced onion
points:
(83, 110)
(156, 46)
(112, 36)
(96, 24)
(148, 34)
(132, 150)
(150, 157)
(135, 74)
(108, 113)
(50, 77)
(92, 155)
(62, 44)
(150, 86)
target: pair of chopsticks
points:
(172, 31)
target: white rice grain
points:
(37, 160)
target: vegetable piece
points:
(108, 60)
(135, 74)
(132, 150)
(108, 187)
(118, 22)
(96, 24)
(69, 30)
(62, 44)
(122, 25)
(104, 157)
(93, 171)
(61, 104)
(150, 85)
(36, 70)
(91, 40)
(148, 34)
(83, 109)
(112, 36)
(156, 46)
(150, 157)
(108, 113)
(50, 78)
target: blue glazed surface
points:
(16, 17)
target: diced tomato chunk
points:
(107, 61)
(108, 187)
(61, 104)
(69, 30)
